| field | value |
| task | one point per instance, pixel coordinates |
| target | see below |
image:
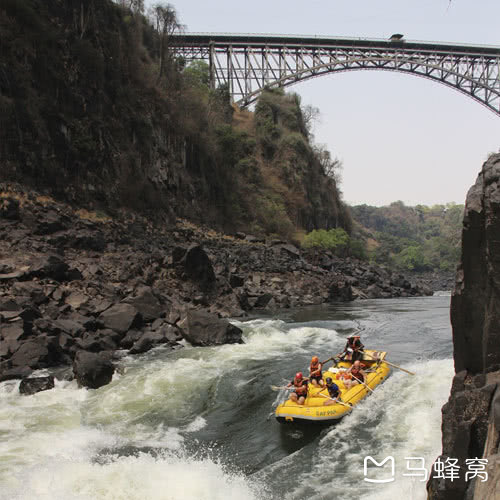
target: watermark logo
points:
(378, 472)
(377, 464)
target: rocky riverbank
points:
(79, 287)
(471, 417)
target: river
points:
(197, 423)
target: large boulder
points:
(145, 303)
(32, 385)
(39, 352)
(198, 267)
(11, 338)
(49, 266)
(120, 318)
(203, 329)
(92, 370)
(9, 208)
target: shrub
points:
(336, 240)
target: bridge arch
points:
(247, 64)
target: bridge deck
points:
(246, 40)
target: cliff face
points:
(86, 117)
(471, 417)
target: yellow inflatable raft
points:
(314, 409)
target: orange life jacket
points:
(315, 369)
(300, 387)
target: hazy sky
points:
(400, 137)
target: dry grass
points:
(243, 120)
(93, 216)
(45, 200)
(371, 244)
(20, 197)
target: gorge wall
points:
(93, 114)
(471, 417)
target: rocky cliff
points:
(74, 281)
(86, 117)
(471, 417)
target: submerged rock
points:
(91, 370)
(33, 385)
(204, 329)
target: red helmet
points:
(314, 359)
(298, 375)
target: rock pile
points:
(74, 283)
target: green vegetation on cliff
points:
(417, 238)
(95, 109)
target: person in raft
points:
(315, 375)
(358, 376)
(353, 349)
(333, 391)
(300, 384)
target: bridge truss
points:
(247, 64)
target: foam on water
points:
(134, 438)
(166, 477)
(59, 443)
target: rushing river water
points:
(196, 423)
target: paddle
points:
(389, 363)
(362, 383)
(336, 400)
(333, 358)
(280, 387)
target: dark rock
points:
(29, 314)
(290, 250)
(8, 304)
(263, 300)
(33, 385)
(198, 267)
(39, 352)
(469, 421)
(17, 372)
(103, 340)
(120, 318)
(178, 254)
(91, 370)
(203, 329)
(340, 291)
(49, 266)
(147, 341)
(87, 240)
(11, 337)
(171, 333)
(74, 274)
(130, 338)
(145, 303)
(9, 208)
(48, 222)
(236, 281)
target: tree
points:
(164, 20)
(331, 167)
(136, 6)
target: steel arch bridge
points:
(247, 64)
